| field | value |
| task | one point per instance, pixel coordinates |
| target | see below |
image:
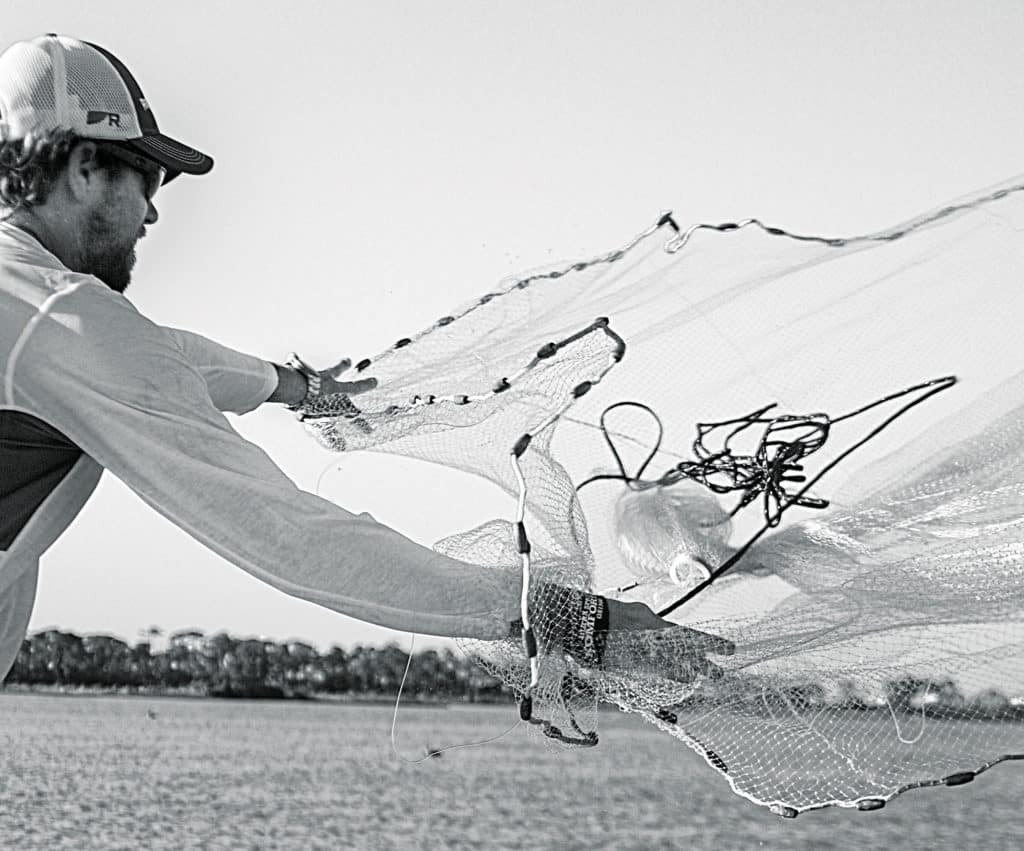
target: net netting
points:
(870, 523)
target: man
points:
(91, 384)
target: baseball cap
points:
(56, 82)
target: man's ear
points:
(86, 180)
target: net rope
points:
(874, 588)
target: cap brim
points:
(172, 155)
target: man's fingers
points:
(332, 386)
(686, 669)
(679, 653)
(708, 643)
(352, 388)
(713, 671)
(670, 661)
(689, 640)
(636, 616)
(348, 388)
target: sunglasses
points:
(152, 172)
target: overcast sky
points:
(379, 163)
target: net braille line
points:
(865, 804)
(875, 802)
(325, 407)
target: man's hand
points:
(641, 642)
(331, 381)
(292, 384)
(611, 635)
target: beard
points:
(106, 254)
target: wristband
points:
(589, 614)
(576, 620)
(312, 381)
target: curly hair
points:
(30, 166)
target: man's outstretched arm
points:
(238, 382)
(123, 390)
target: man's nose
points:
(151, 214)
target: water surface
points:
(174, 773)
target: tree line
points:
(222, 665)
(940, 698)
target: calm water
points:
(100, 772)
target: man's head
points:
(81, 155)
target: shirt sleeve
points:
(123, 390)
(236, 382)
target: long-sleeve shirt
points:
(89, 383)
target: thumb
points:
(340, 367)
(633, 616)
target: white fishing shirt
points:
(82, 369)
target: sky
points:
(379, 164)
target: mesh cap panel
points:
(35, 65)
(30, 106)
(93, 85)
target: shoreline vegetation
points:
(220, 665)
(223, 666)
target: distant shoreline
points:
(44, 690)
(221, 666)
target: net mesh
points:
(875, 587)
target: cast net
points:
(861, 542)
